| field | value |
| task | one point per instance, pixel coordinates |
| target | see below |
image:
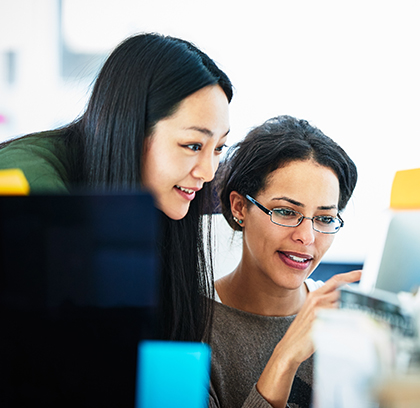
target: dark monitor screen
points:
(78, 291)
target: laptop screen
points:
(393, 266)
(78, 291)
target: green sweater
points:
(40, 157)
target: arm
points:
(296, 346)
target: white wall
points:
(350, 68)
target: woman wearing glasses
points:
(283, 187)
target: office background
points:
(350, 68)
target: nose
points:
(304, 232)
(206, 167)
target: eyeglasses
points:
(286, 217)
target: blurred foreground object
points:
(173, 374)
(354, 354)
(13, 182)
(368, 350)
(400, 392)
(405, 193)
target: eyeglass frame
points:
(270, 213)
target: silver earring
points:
(238, 221)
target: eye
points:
(195, 147)
(219, 149)
(285, 213)
(326, 219)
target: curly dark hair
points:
(275, 143)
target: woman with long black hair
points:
(157, 120)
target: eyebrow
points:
(205, 131)
(298, 204)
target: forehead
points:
(304, 181)
(204, 113)
(207, 107)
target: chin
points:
(176, 213)
(294, 281)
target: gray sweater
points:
(242, 344)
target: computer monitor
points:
(78, 291)
(393, 265)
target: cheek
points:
(149, 175)
(265, 237)
(156, 175)
(216, 161)
(325, 244)
(157, 169)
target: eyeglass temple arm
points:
(260, 206)
(342, 221)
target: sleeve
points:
(213, 400)
(254, 400)
(313, 285)
(42, 169)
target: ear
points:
(238, 206)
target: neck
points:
(240, 291)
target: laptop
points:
(78, 292)
(394, 267)
(390, 268)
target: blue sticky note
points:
(172, 374)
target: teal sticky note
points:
(172, 374)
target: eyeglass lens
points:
(291, 218)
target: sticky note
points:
(405, 193)
(13, 182)
(172, 374)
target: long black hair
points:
(142, 82)
(277, 142)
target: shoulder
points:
(313, 285)
(48, 142)
(41, 158)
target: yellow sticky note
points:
(13, 182)
(405, 193)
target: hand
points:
(298, 338)
(296, 345)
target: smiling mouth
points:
(185, 190)
(297, 258)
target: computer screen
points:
(390, 268)
(78, 291)
(393, 266)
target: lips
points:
(295, 260)
(185, 190)
(187, 193)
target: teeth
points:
(296, 258)
(186, 190)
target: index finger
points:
(341, 279)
